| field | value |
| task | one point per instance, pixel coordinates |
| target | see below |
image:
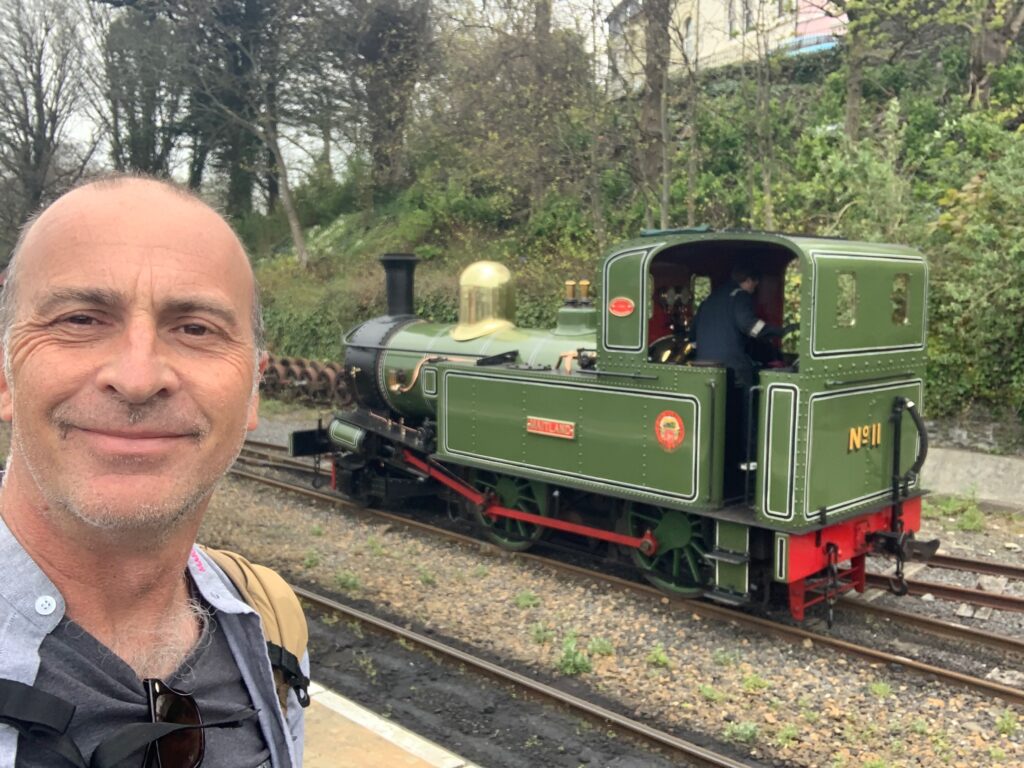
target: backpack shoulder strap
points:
(40, 718)
(284, 623)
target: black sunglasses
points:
(184, 747)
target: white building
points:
(713, 33)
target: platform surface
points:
(339, 732)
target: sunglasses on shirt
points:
(183, 748)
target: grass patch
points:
(427, 579)
(346, 580)
(599, 646)
(658, 656)
(744, 732)
(1007, 723)
(881, 689)
(724, 657)
(316, 530)
(787, 735)
(311, 559)
(755, 684)
(526, 599)
(709, 693)
(541, 633)
(573, 661)
(962, 511)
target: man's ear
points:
(6, 399)
(254, 402)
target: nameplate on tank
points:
(551, 427)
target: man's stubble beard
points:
(153, 520)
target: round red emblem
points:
(621, 306)
(669, 430)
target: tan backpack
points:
(284, 623)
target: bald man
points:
(131, 361)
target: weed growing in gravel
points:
(532, 741)
(573, 661)
(962, 511)
(599, 646)
(541, 633)
(316, 530)
(356, 628)
(709, 693)
(375, 547)
(881, 689)
(346, 580)
(329, 619)
(427, 579)
(787, 735)
(311, 560)
(526, 599)
(1007, 723)
(811, 716)
(876, 764)
(724, 657)
(744, 732)
(365, 662)
(658, 657)
(480, 571)
(753, 683)
(997, 754)
(919, 726)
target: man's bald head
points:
(113, 198)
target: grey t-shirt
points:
(107, 693)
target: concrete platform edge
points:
(435, 755)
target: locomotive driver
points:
(724, 323)
(131, 358)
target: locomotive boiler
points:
(605, 428)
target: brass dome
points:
(486, 301)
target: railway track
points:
(958, 593)
(790, 633)
(680, 749)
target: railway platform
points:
(341, 733)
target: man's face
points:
(749, 285)
(131, 358)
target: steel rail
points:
(268, 458)
(952, 592)
(590, 710)
(976, 566)
(703, 608)
(948, 629)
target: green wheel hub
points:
(678, 567)
(516, 493)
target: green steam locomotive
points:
(606, 428)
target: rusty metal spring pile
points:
(309, 381)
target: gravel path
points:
(785, 705)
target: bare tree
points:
(41, 87)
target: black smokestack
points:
(399, 268)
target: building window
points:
(900, 299)
(688, 47)
(732, 16)
(748, 15)
(846, 299)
